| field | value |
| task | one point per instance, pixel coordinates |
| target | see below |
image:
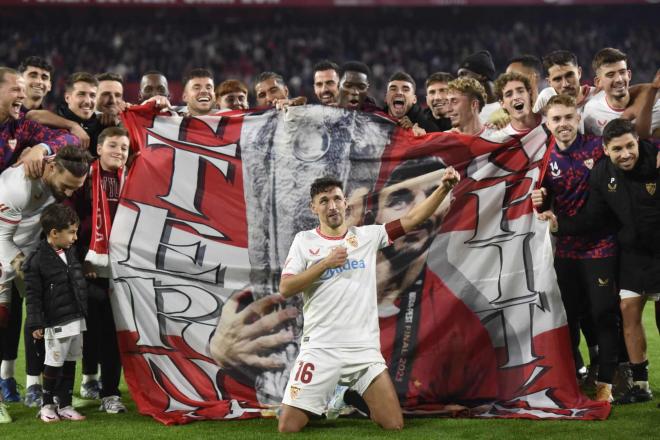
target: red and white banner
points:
(470, 314)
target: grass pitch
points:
(640, 421)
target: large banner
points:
(470, 314)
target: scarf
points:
(98, 253)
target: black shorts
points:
(639, 272)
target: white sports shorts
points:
(623, 294)
(59, 350)
(317, 372)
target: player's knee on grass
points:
(292, 419)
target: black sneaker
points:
(635, 395)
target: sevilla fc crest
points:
(650, 188)
(352, 240)
(294, 392)
(12, 144)
(589, 163)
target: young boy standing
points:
(96, 203)
(56, 299)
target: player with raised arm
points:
(334, 266)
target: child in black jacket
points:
(56, 299)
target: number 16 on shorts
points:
(305, 372)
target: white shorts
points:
(59, 350)
(317, 371)
(623, 294)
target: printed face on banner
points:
(206, 238)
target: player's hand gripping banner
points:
(471, 317)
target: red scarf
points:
(98, 253)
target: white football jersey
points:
(488, 110)
(21, 202)
(340, 308)
(597, 113)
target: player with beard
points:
(613, 77)
(466, 98)
(623, 189)
(401, 104)
(271, 91)
(20, 137)
(153, 83)
(232, 94)
(585, 264)
(354, 87)
(437, 86)
(110, 99)
(341, 336)
(22, 200)
(326, 82)
(563, 74)
(198, 93)
(37, 74)
(515, 93)
(430, 367)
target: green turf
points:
(634, 422)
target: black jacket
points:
(92, 126)
(442, 124)
(417, 116)
(633, 198)
(55, 292)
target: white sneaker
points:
(69, 413)
(112, 405)
(4, 414)
(336, 404)
(48, 414)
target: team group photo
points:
(413, 219)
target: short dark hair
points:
(559, 58)
(35, 62)
(414, 168)
(438, 77)
(4, 71)
(529, 61)
(110, 76)
(80, 77)
(58, 217)
(607, 55)
(73, 159)
(617, 127)
(198, 72)
(402, 76)
(506, 78)
(327, 65)
(112, 132)
(356, 66)
(265, 76)
(323, 184)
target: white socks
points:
(32, 380)
(7, 369)
(87, 377)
